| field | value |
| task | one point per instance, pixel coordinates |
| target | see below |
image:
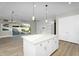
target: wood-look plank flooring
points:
(14, 47)
(67, 49)
(11, 46)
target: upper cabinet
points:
(45, 27)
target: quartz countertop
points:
(38, 37)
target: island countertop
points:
(38, 37)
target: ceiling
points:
(24, 10)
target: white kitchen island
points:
(39, 44)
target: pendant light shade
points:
(46, 20)
(33, 17)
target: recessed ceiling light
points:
(34, 5)
(69, 2)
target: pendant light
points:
(33, 17)
(46, 13)
(12, 19)
(12, 13)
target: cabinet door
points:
(49, 45)
(52, 45)
(41, 49)
(56, 43)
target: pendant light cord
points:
(33, 8)
(33, 17)
(46, 10)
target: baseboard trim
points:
(70, 42)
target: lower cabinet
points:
(44, 48)
(41, 49)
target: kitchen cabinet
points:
(43, 27)
(43, 47)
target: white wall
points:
(69, 28)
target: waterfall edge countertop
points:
(38, 37)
